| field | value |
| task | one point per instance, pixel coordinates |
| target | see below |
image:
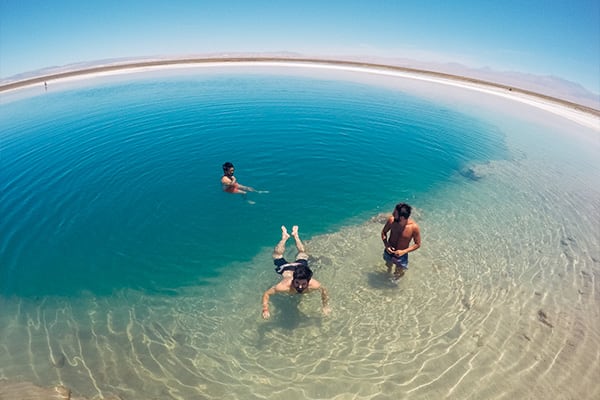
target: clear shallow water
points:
(117, 185)
(122, 262)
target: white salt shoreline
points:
(581, 115)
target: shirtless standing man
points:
(403, 231)
(295, 276)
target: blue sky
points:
(543, 37)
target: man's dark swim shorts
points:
(281, 265)
(401, 261)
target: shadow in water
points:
(381, 280)
(285, 316)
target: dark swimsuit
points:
(281, 265)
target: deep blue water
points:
(117, 185)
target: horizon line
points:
(117, 66)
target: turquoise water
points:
(117, 185)
(126, 271)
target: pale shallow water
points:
(500, 302)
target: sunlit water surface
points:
(126, 271)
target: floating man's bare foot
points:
(295, 231)
(284, 233)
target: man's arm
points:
(227, 181)
(238, 186)
(265, 302)
(384, 232)
(231, 184)
(316, 285)
(416, 237)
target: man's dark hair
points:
(303, 272)
(403, 210)
(227, 165)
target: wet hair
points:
(227, 166)
(303, 272)
(403, 210)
